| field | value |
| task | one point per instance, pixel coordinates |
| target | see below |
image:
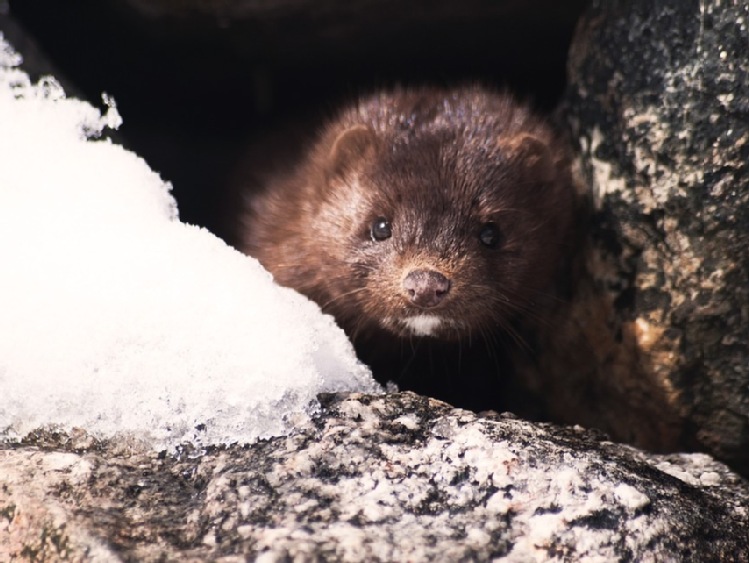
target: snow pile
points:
(116, 317)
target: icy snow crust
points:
(115, 317)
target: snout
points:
(425, 288)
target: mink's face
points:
(443, 236)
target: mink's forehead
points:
(441, 175)
(442, 157)
(470, 111)
(441, 150)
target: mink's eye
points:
(380, 229)
(490, 235)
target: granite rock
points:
(378, 478)
(654, 348)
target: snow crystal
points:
(115, 317)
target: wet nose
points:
(426, 288)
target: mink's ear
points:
(350, 147)
(531, 153)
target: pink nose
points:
(426, 288)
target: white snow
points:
(115, 317)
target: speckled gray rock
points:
(656, 347)
(376, 478)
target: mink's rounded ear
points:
(531, 153)
(350, 147)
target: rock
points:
(395, 477)
(654, 348)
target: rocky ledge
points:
(390, 477)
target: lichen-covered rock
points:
(376, 478)
(655, 349)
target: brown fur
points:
(439, 165)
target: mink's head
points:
(439, 214)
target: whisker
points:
(490, 341)
(341, 296)
(509, 330)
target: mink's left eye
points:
(490, 235)
(381, 229)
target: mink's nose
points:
(426, 288)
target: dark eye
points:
(381, 229)
(490, 235)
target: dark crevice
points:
(195, 89)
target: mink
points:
(431, 223)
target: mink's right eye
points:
(490, 235)
(380, 229)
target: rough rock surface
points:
(658, 103)
(396, 477)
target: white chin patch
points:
(422, 325)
